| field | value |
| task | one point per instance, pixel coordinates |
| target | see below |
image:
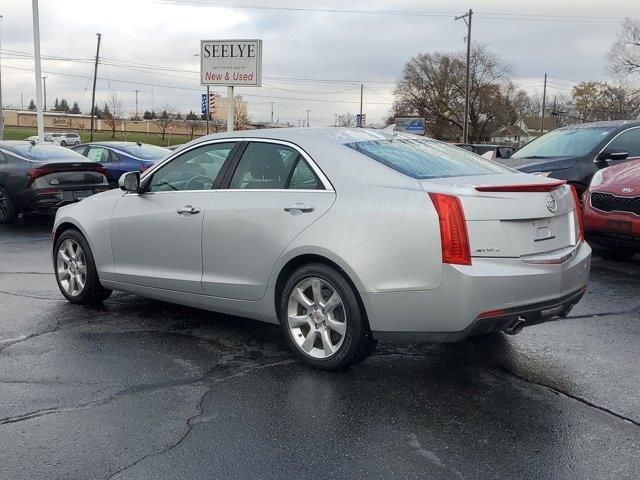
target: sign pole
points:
(208, 97)
(36, 53)
(230, 109)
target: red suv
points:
(611, 208)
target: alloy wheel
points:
(71, 267)
(316, 318)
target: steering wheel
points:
(200, 178)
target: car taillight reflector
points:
(453, 229)
(578, 214)
(493, 313)
(534, 187)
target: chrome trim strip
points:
(551, 258)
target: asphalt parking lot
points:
(144, 389)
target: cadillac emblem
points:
(552, 205)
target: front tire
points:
(322, 320)
(63, 143)
(75, 270)
(8, 211)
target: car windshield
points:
(147, 152)
(425, 159)
(47, 153)
(563, 143)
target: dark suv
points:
(576, 152)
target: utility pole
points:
(1, 118)
(361, 102)
(544, 99)
(38, 69)
(272, 112)
(335, 119)
(21, 101)
(465, 129)
(44, 83)
(308, 117)
(230, 107)
(137, 91)
(95, 78)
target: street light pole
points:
(308, 111)
(38, 69)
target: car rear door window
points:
(195, 169)
(264, 166)
(628, 141)
(425, 159)
(303, 177)
(98, 154)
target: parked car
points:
(43, 177)
(343, 236)
(63, 139)
(121, 157)
(611, 208)
(488, 151)
(576, 152)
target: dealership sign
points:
(231, 62)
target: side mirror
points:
(612, 154)
(130, 182)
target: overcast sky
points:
(298, 44)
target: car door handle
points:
(299, 207)
(188, 209)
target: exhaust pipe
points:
(516, 327)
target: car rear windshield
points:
(47, 153)
(563, 143)
(427, 158)
(147, 152)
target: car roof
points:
(119, 144)
(611, 124)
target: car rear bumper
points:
(48, 200)
(489, 295)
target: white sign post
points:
(230, 63)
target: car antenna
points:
(139, 143)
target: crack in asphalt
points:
(13, 341)
(608, 314)
(26, 295)
(47, 239)
(506, 371)
(26, 273)
(191, 422)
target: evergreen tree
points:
(191, 116)
(64, 106)
(32, 105)
(106, 112)
(75, 109)
(97, 113)
(56, 105)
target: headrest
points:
(266, 164)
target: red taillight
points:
(493, 313)
(453, 229)
(577, 213)
(535, 187)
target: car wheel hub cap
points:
(316, 318)
(71, 267)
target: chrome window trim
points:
(624, 212)
(595, 159)
(328, 187)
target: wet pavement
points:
(140, 389)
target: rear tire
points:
(619, 255)
(322, 320)
(8, 212)
(75, 270)
(63, 143)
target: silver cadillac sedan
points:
(342, 236)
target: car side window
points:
(195, 169)
(264, 166)
(98, 154)
(628, 141)
(303, 177)
(80, 150)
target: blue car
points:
(122, 157)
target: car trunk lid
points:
(66, 174)
(513, 215)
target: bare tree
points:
(165, 120)
(192, 123)
(346, 120)
(432, 85)
(114, 115)
(241, 119)
(624, 55)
